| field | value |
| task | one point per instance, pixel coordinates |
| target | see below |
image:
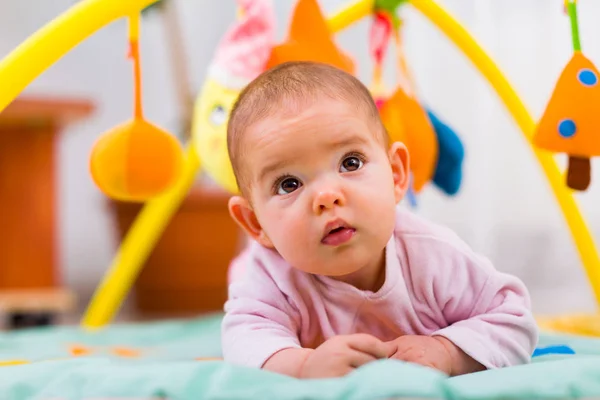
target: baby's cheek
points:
(378, 206)
(377, 192)
(296, 231)
(296, 241)
(286, 229)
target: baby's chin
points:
(337, 263)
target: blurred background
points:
(504, 209)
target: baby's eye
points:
(218, 115)
(350, 164)
(288, 185)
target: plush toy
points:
(309, 39)
(436, 150)
(406, 121)
(448, 170)
(241, 56)
(571, 120)
(136, 160)
(402, 114)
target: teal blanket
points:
(168, 360)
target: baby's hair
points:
(293, 83)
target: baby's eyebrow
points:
(270, 167)
(348, 141)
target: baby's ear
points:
(242, 213)
(399, 160)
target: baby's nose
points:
(327, 199)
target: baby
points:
(337, 274)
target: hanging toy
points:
(571, 120)
(381, 31)
(403, 116)
(436, 157)
(136, 160)
(451, 153)
(240, 57)
(310, 39)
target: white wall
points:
(505, 208)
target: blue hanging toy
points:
(448, 172)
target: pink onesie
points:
(435, 284)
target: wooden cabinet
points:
(31, 288)
(187, 270)
(29, 132)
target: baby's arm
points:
(487, 312)
(288, 362)
(258, 323)
(261, 326)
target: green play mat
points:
(167, 360)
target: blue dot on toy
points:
(587, 77)
(567, 128)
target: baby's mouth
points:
(337, 232)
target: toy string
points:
(572, 10)
(134, 54)
(378, 41)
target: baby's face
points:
(322, 186)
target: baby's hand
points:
(342, 354)
(423, 350)
(435, 352)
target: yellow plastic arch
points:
(580, 232)
(54, 40)
(57, 38)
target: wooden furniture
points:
(187, 270)
(35, 307)
(30, 128)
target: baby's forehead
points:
(324, 119)
(310, 144)
(329, 116)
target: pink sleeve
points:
(488, 313)
(259, 321)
